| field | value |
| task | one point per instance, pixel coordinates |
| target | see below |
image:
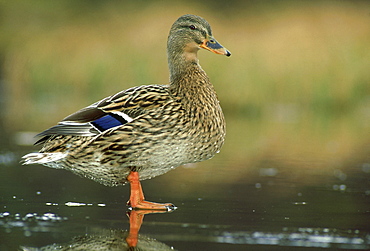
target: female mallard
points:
(148, 130)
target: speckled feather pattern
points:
(171, 125)
(169, 130)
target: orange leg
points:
(137, 196)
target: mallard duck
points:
(147, 130)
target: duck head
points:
(187, 35)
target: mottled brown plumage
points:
(147, 129)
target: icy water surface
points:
(272, 187)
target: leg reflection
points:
(136, 218)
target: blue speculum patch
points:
(108, 121)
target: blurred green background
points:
(296, 85)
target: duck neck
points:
(180, 65)
(186, 75)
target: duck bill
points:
(211, 44)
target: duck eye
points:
(192, 27)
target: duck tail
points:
(42, 158)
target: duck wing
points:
(113, 111)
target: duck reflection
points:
(108, 239)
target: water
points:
(274, 186)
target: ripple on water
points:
(301, 237)
(30, 222)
